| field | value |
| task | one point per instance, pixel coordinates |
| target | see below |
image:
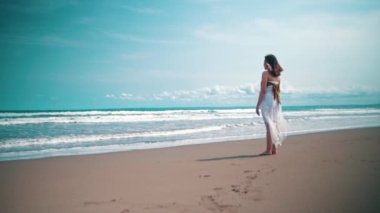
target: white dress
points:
(271, 111)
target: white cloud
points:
(210, 93)
(214, 34)
(125, 96)
(350, 90)
(311, 31)
(287, 88)
(207, 93)
(144, 40)
(111, 96)
(59, 41)
(134, 56)
(332, 48)
(44, 40)
(241, 92)
(134, 9)
(143, 10)
(85, 20)
(209, 1)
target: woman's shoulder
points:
(270, 77)
(265, 73)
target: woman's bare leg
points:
(274, 149)
(269, 141)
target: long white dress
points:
(271, 111)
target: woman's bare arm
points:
(264, 80)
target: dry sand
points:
(337, 171)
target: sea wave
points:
(13, 118)
(56, 133)
(121, 116)
(118, 112)
(75, 139)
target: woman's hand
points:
(257, 111)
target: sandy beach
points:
(337, 171)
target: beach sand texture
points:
(337, 171)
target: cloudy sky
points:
(76, 54)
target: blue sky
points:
(109, 54)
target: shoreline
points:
(335, 171)
(192, 143)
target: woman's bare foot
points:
(274, 150)
(266, 153)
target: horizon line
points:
(184, 108)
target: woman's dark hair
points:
(276, 67)
(275, 70)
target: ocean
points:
(39, 134)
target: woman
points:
(270, 104)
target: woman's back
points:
(272, 78)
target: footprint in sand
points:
(204, 176)
(268, 169)
(256, 194)
(125, 211)
(160, 206)
(209, 202)
(246, 188)
(86, 203)
(240, 189)
(166, 205)
(218, 188)
(235, 188)
(252, 177)
(249, 193)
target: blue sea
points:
(39, 134)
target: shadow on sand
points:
(233, 157)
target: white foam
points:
(165, 115)
(125, 116)
(120, 112)
(74, 139)
(321, 112)
(141, 146)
